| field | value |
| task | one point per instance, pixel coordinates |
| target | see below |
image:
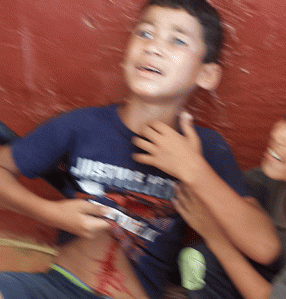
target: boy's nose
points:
(154, 47)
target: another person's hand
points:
(168, 150)
(78, 217)
(196, 214)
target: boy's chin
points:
(148, 95)
(149, 90)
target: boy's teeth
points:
(274, 155)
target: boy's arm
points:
(248, 227)
(74, 216)
(247, 280)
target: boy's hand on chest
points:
(168, 150)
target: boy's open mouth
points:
(150, 69)
(274, 155)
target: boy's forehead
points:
(177, 19)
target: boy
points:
(129, 249)
(268, 186)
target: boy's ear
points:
(209, 76)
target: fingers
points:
(158, 126)
(144, 159)
(92, 220)
(93, 224)
(156, 129)
(149, 146)
(186, 122)
(80, 217)
(144, 145)
(92, 208)
(152, 131)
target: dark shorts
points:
(51, 285)
(218, 285)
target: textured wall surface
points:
(252, 95)
(59, 55)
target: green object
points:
(192, 267)
(71, 277)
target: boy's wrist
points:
(193, 172)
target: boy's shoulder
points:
(85, 115)
(206, 132)
(211, 140)
(91, 110)
(219, 155)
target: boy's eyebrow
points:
(174, 28)
(182, 31)
(145, 21)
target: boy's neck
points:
(135, 114)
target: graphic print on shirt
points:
(140, 205)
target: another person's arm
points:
(247, 280)
(247, 226)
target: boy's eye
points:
(144, 33)
(179, 42)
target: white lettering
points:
(130, 224)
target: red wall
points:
(58, 55)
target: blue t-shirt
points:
(96, 149)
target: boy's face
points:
(165, 55)
(274, 161)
